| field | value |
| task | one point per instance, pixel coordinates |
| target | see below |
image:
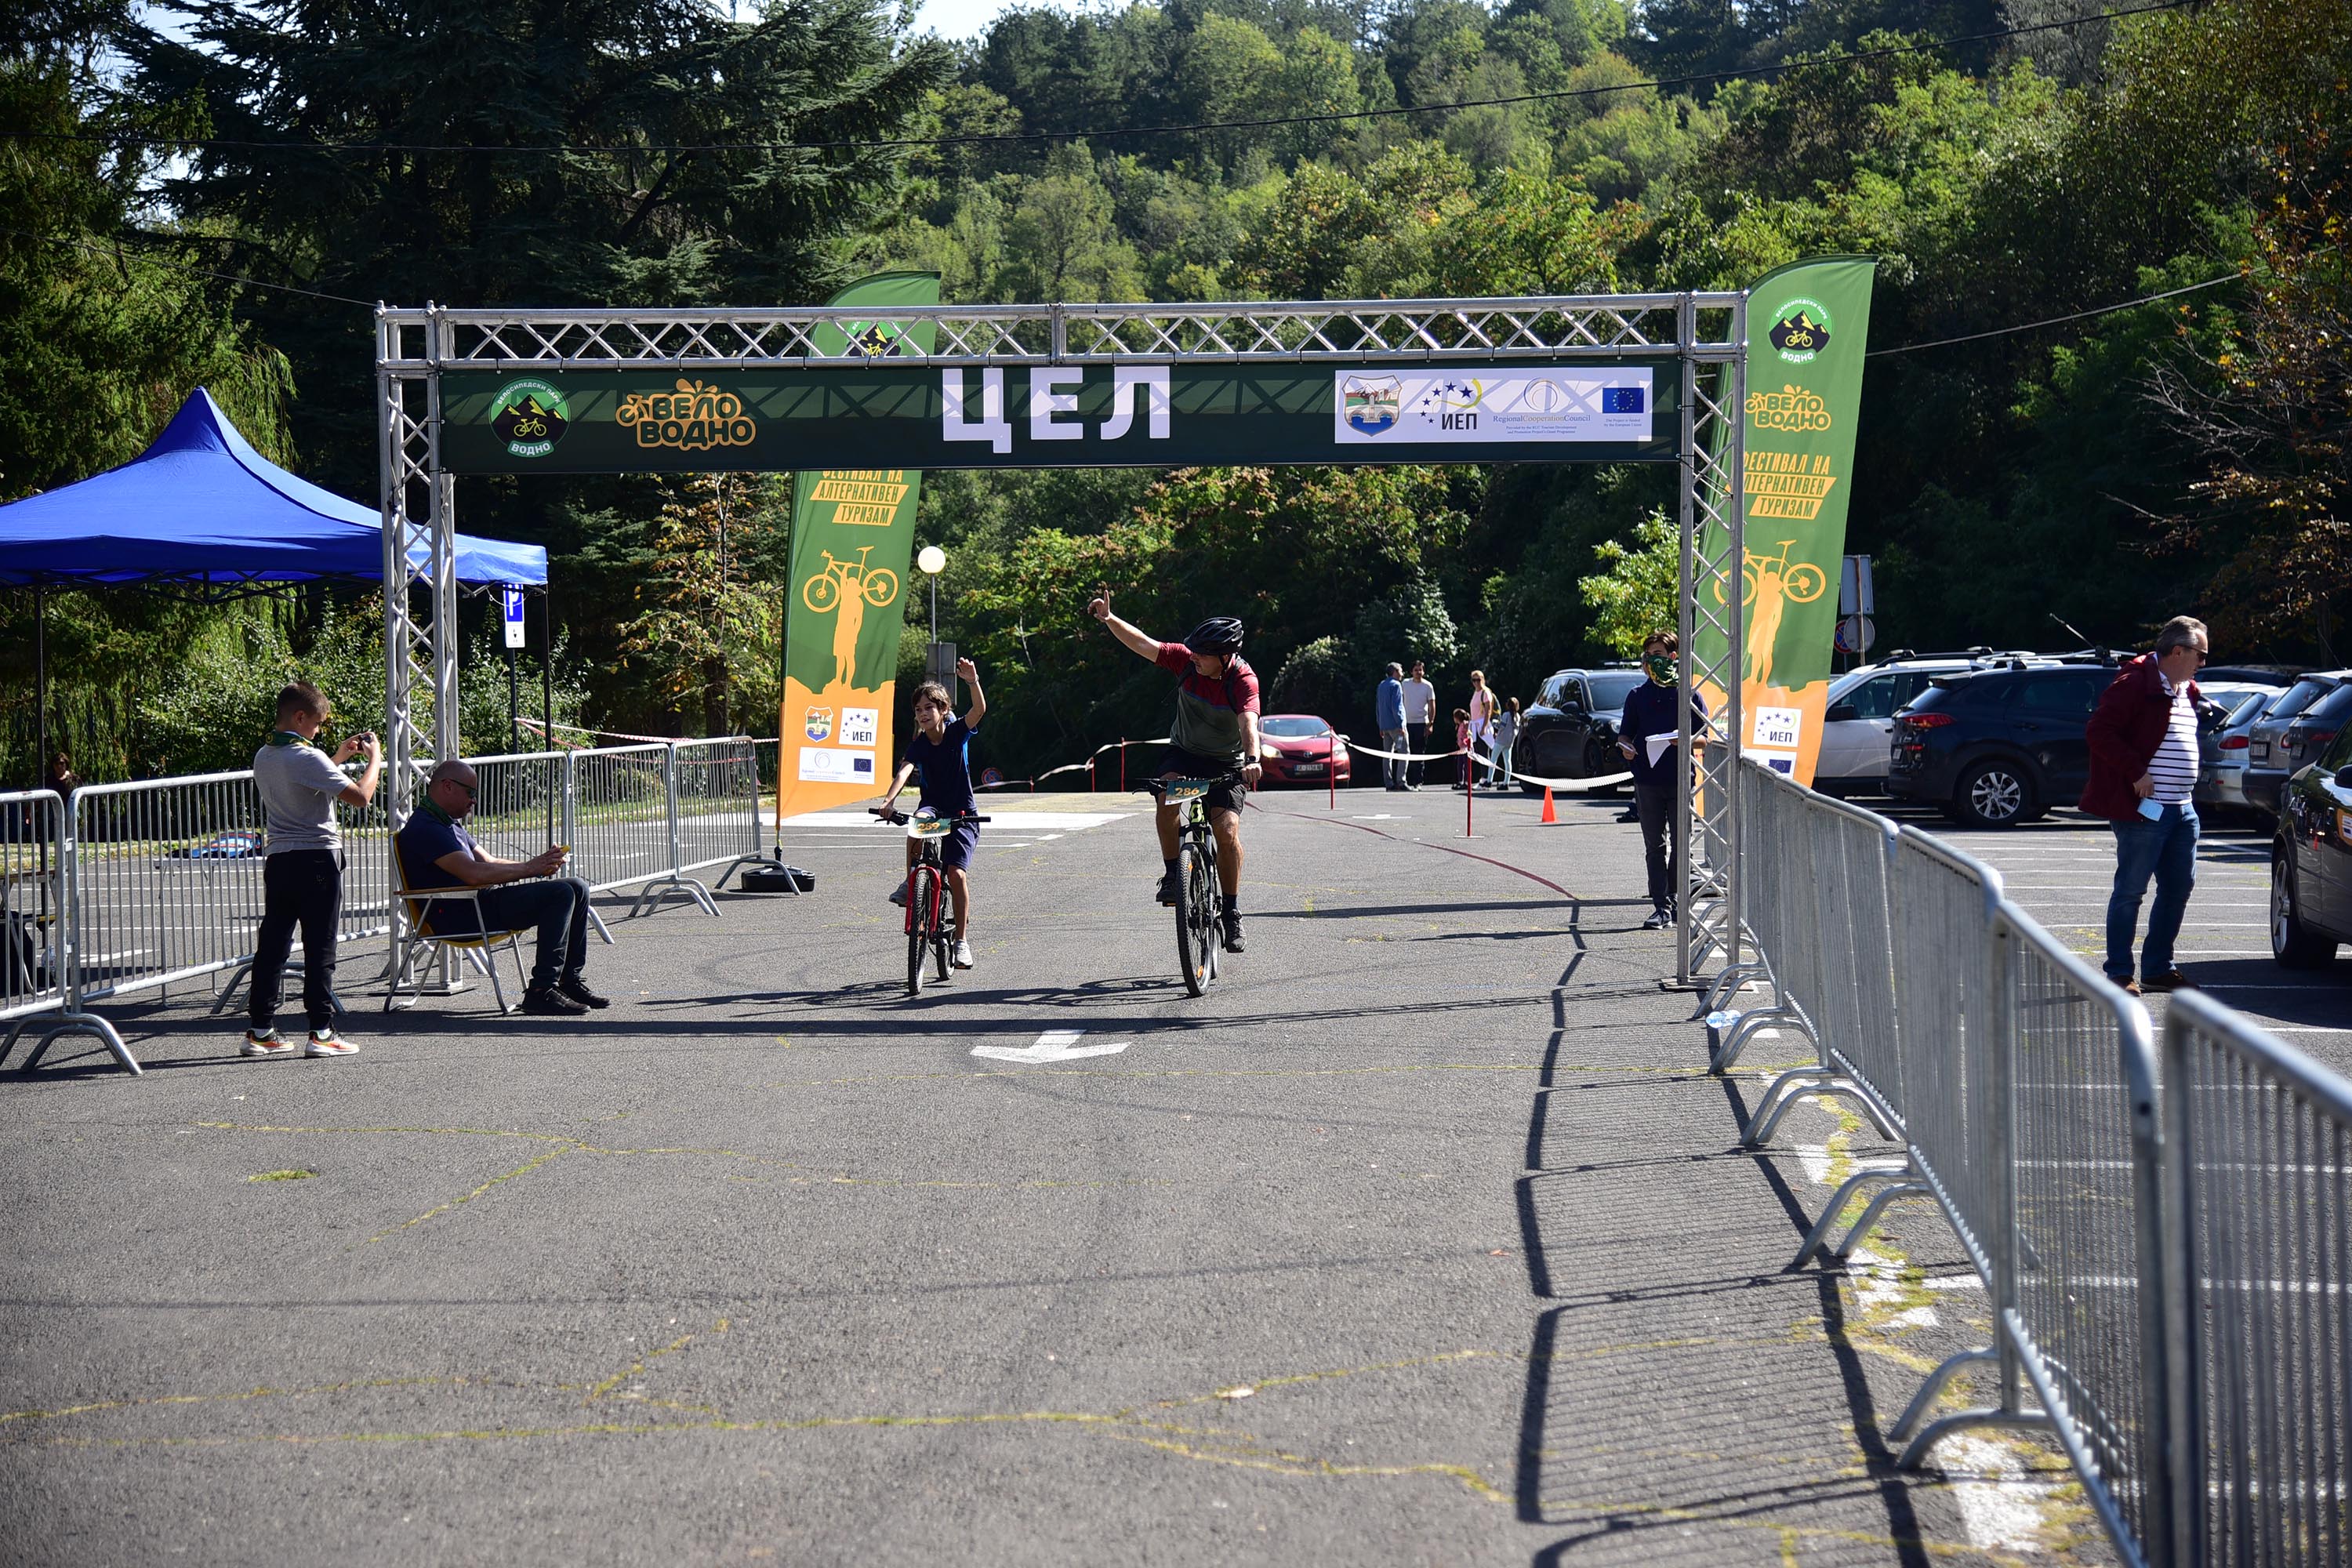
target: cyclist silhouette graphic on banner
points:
(853, 538)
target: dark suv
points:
(1571, 732)
(2311, 860)
(1997, 747)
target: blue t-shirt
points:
(423, 840)
(944, 766)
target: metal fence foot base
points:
(1869, 1220)
(1816, 1239)
(74, 1023)
(1722, 1054)
(1781, 1098)
(1916, 1451)
(1727, 982)
(1926, 1398)
(672, 886)
(597, 921)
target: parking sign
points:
(512, 599)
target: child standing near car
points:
(941, 750)
(1506, 735)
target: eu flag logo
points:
(1621, 400)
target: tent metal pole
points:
(41, 685)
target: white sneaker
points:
(961, 958)
(327, 1043)
(267, 1043)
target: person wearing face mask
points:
(1648, 735)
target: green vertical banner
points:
(853, 532)
(1808, 325)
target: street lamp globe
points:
(932, 560)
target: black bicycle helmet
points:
(1218, 634)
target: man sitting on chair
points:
(436, 851)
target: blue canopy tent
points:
(201, 513)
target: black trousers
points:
(1416, 739)
(559, 908)
(1655, 804)
(304, 888)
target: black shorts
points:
(1226, 795)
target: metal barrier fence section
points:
(2170, 1269)
(32, 903)
(37, 991)
(2071, 1291)
(2259, 1146)
(167, 880)
(718, 805)
(624, 823)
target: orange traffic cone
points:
(1549, 814)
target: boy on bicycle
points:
(942, 749)
(1215, 736)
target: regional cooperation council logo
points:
(1801, 330)
(530, 416)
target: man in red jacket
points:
(2143, 770)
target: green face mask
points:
(1661, 668)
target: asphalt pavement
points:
(1424, 1237)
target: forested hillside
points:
(2108, 468)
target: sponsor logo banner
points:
(881, 410)
(1808, 325)
(834, 764)
(1493, 406)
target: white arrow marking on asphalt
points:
(1052, 1046)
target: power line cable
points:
(1018, 138)
(98, 249)
(2054, 320)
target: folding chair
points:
(481, 949)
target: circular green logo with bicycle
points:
(532, 418)
(1801, 330)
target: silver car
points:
(2266, 760)
(2223, 746)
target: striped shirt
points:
(2174, 766)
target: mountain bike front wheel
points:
(1195, 920)
(922, 914)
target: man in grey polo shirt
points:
(302, 868)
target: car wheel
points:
(2295, 944)
(1994, 794)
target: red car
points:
(1301, 749)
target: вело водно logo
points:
(1801, 330)
(530, 416)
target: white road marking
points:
(1052, 1046)
(2000, 1504)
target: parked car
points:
(1859, 724)
(1570, 731)
(2000, 746)
(2266, 768)
(236, 844)
(2315, 728)
(2222, 751)
(2310, 860)
(1301, 749)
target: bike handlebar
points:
(901, 819)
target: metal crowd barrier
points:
(2169, 1271)
(2260, 1138)
(134, 887)
(37, 970)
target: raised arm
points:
(1140, 643)
(969, 673)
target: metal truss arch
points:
(1705, 332)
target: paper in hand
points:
(1660, 745)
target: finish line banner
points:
(1808, 325)
(872, 413)
(853, 534)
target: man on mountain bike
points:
(942, 749)
(1215, 737)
